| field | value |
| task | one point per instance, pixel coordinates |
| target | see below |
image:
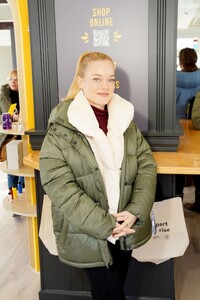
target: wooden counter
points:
(32, 160)
(186, 160)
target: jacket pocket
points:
(77, 247)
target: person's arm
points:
(196, 112)
(60, 184)
(144, 189)
(4, 100)
(143, 194)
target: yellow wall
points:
(19, 9)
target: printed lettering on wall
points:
(101, 17)
(108, 26)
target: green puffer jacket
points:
(5, 103)
(196, 111)
(71, 178)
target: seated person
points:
(10, 95)
(187, 81)
(196, 178)
(188, 84)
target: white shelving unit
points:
(20, 205)
(23, 171)
(14, 130)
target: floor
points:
(187, 267)
(19, 282)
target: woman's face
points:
(13, 82)
(99, 83)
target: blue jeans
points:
(13, 180)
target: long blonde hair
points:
(84, 60)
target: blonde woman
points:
(100, 175)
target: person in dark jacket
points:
(100, 174)
(10, 95)
(196, 112)
(187, 85)
(195, 207)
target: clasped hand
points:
(15, 117)
(125, 221)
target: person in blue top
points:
(187, 81)
(187, 86)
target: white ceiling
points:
(189, 18)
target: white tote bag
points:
(46, 233)
(171, 236)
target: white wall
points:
(5, 63)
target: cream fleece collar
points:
(120, 113)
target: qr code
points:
(101, 38)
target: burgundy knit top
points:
(102, 117)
